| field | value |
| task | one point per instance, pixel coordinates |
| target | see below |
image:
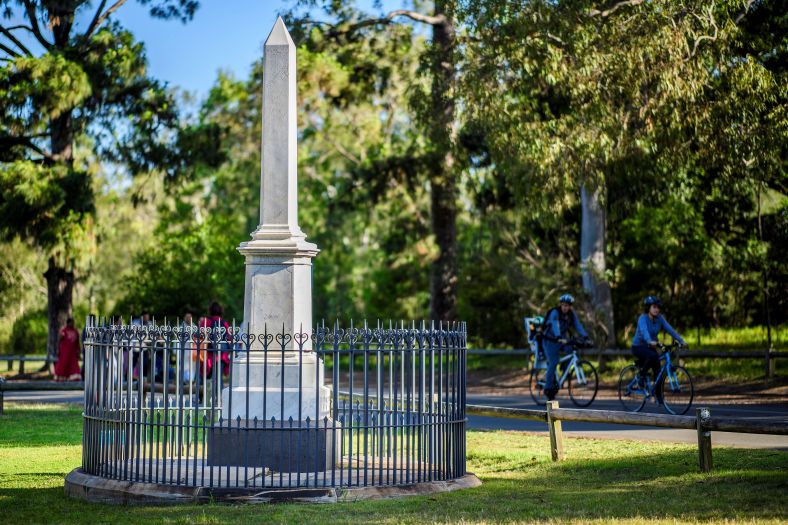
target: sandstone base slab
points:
(80, 485)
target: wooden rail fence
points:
(702, 422)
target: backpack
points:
(547, 316)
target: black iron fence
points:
(220, 407)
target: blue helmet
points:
(566, 298)
(652, 299)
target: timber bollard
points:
(556, 435)
(770, 364)
(703, 415)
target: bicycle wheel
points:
(583, 384)
(677, 390)
(631, 395)
(536, 385)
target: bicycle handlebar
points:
(578, 343)
(673, 346)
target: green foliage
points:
(677, 111)
(51, 84)
(85, 98)
(29, 334)
(185, 271)
(45, 203)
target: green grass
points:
(601, 481)
(751, 338)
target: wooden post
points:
(703, 415)
(770, 362)
(10, 365)
(556, 435)
(21, 365)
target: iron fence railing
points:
(219, 407)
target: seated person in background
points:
(208, 354)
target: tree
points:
(74, 87)
(372, 230)
(621, 103)
(436, 115)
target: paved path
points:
(776, 412)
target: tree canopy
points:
(472, 159)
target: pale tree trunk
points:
(592, 256)
(443, 186)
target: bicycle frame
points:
(573, 358)
(665, 369)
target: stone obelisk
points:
(278, 284)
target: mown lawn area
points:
(601, 481)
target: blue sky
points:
(224, 35)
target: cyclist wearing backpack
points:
(644, 344)
(557, 324)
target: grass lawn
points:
(601, 481)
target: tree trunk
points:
(60, 288)
(443, 186)
(60, 280)
(592, 256)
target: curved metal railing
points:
(219, 407)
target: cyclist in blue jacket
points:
(644, 344)
(555, 330)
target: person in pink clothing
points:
(206, 356)
(67, 365)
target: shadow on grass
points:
(747, 485)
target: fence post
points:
(556, 435)
(703, 415)
(21, 365)
(770, 364)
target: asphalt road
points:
(775, 412)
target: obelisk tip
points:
(279, 35)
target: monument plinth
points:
(282, 381)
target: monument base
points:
(277, 446)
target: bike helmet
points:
(651, 299)
(537, 321)
(566, 298)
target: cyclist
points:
(644, 344)
(557, 324)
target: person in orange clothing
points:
(67, 366)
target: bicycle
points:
(581, 376)
(673, 380)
